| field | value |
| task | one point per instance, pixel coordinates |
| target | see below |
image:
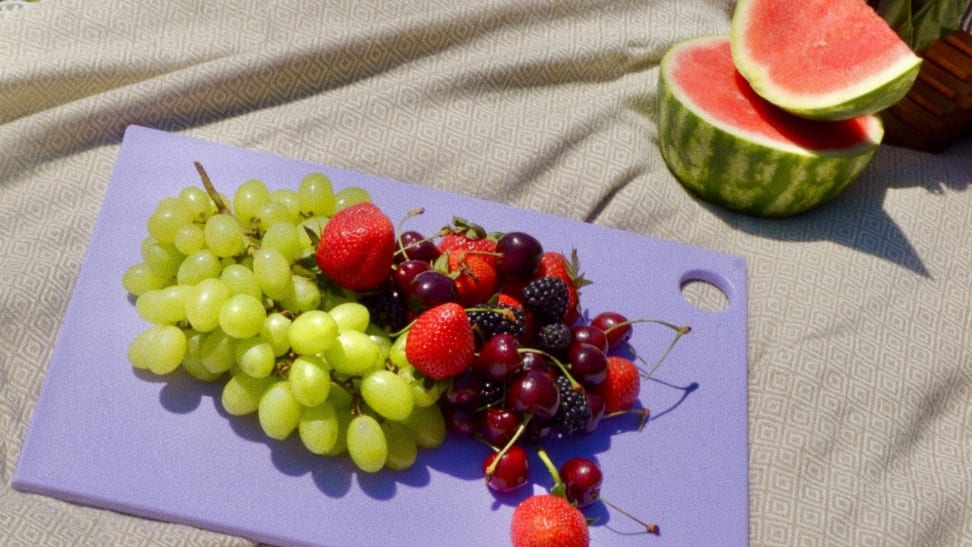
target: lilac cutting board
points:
(107, 436)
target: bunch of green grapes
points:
(231, 294)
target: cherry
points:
(431, 288)
(582, 479)
(460, 420)
(507, 470)
(465, 389)
(499, 425)
(406, 271)
(616, 327)
(597, 411)
(589, 334)
(413, 245)
(499, 357)
(588, 364)
(534, 391)
(534, 360)
(519, 256)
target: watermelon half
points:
(821, 59)
(731, 147)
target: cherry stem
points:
(643, 413)
(491, 468)
(574, 384)
(650, 528)
(558, 488)
(210, 189)
(679, 332)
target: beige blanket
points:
(860, 330)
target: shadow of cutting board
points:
(106, 435)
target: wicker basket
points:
(937, 111)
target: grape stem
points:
(210, 189)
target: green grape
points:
(272, 272)
(169, 216)
(224, 235)
(255, 357)
(163, 258)
(319, 428)
(202, 264)
(204, 302)
(424, 391)
(340, 397)
(242, 316)
(241, 394)
(218, 352)
(427, 425)
(350, 316)
(354, 354)
(275, 331)
(381, 338)
(310, 380)
(141, 278)
(193, 361)
(315, 195)
(351, 195)
(396, 354)
(367, 445)
(248, 199)
(312, 332)
(163, 306)
(197, 203)
(271, 213)
(344, 418)
(160, 349)
(388, 394)
(278, 411)
(240, 280)
(313, 224)
(329, 299)
(402, 448)
(189, 238)
(284, 237)
(287, 198)
(306, 296)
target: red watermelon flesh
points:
(727, 97)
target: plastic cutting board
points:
(107, 436)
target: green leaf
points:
(920, 22)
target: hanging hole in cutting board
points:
(705, 290)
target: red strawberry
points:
(476, 279)
(555, 264)
(620, 387)
(357, 246)
(465, 236)
(543, 520)
(440, 342)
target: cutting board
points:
(106, 435)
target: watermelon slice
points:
(821, 59)
(733, 148)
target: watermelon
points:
(731, 147)
(821, 59)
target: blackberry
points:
(574, 411)
(547, 298)
(555, 339)
(489, 320)
(387, 309)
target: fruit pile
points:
(324, 322)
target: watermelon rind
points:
(861, 96)
(744, 171)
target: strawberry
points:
(465, 236)
(440, 342)
(545, 519)
(555, 264)
(475, 277)
(620, 387)
(357, 246)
